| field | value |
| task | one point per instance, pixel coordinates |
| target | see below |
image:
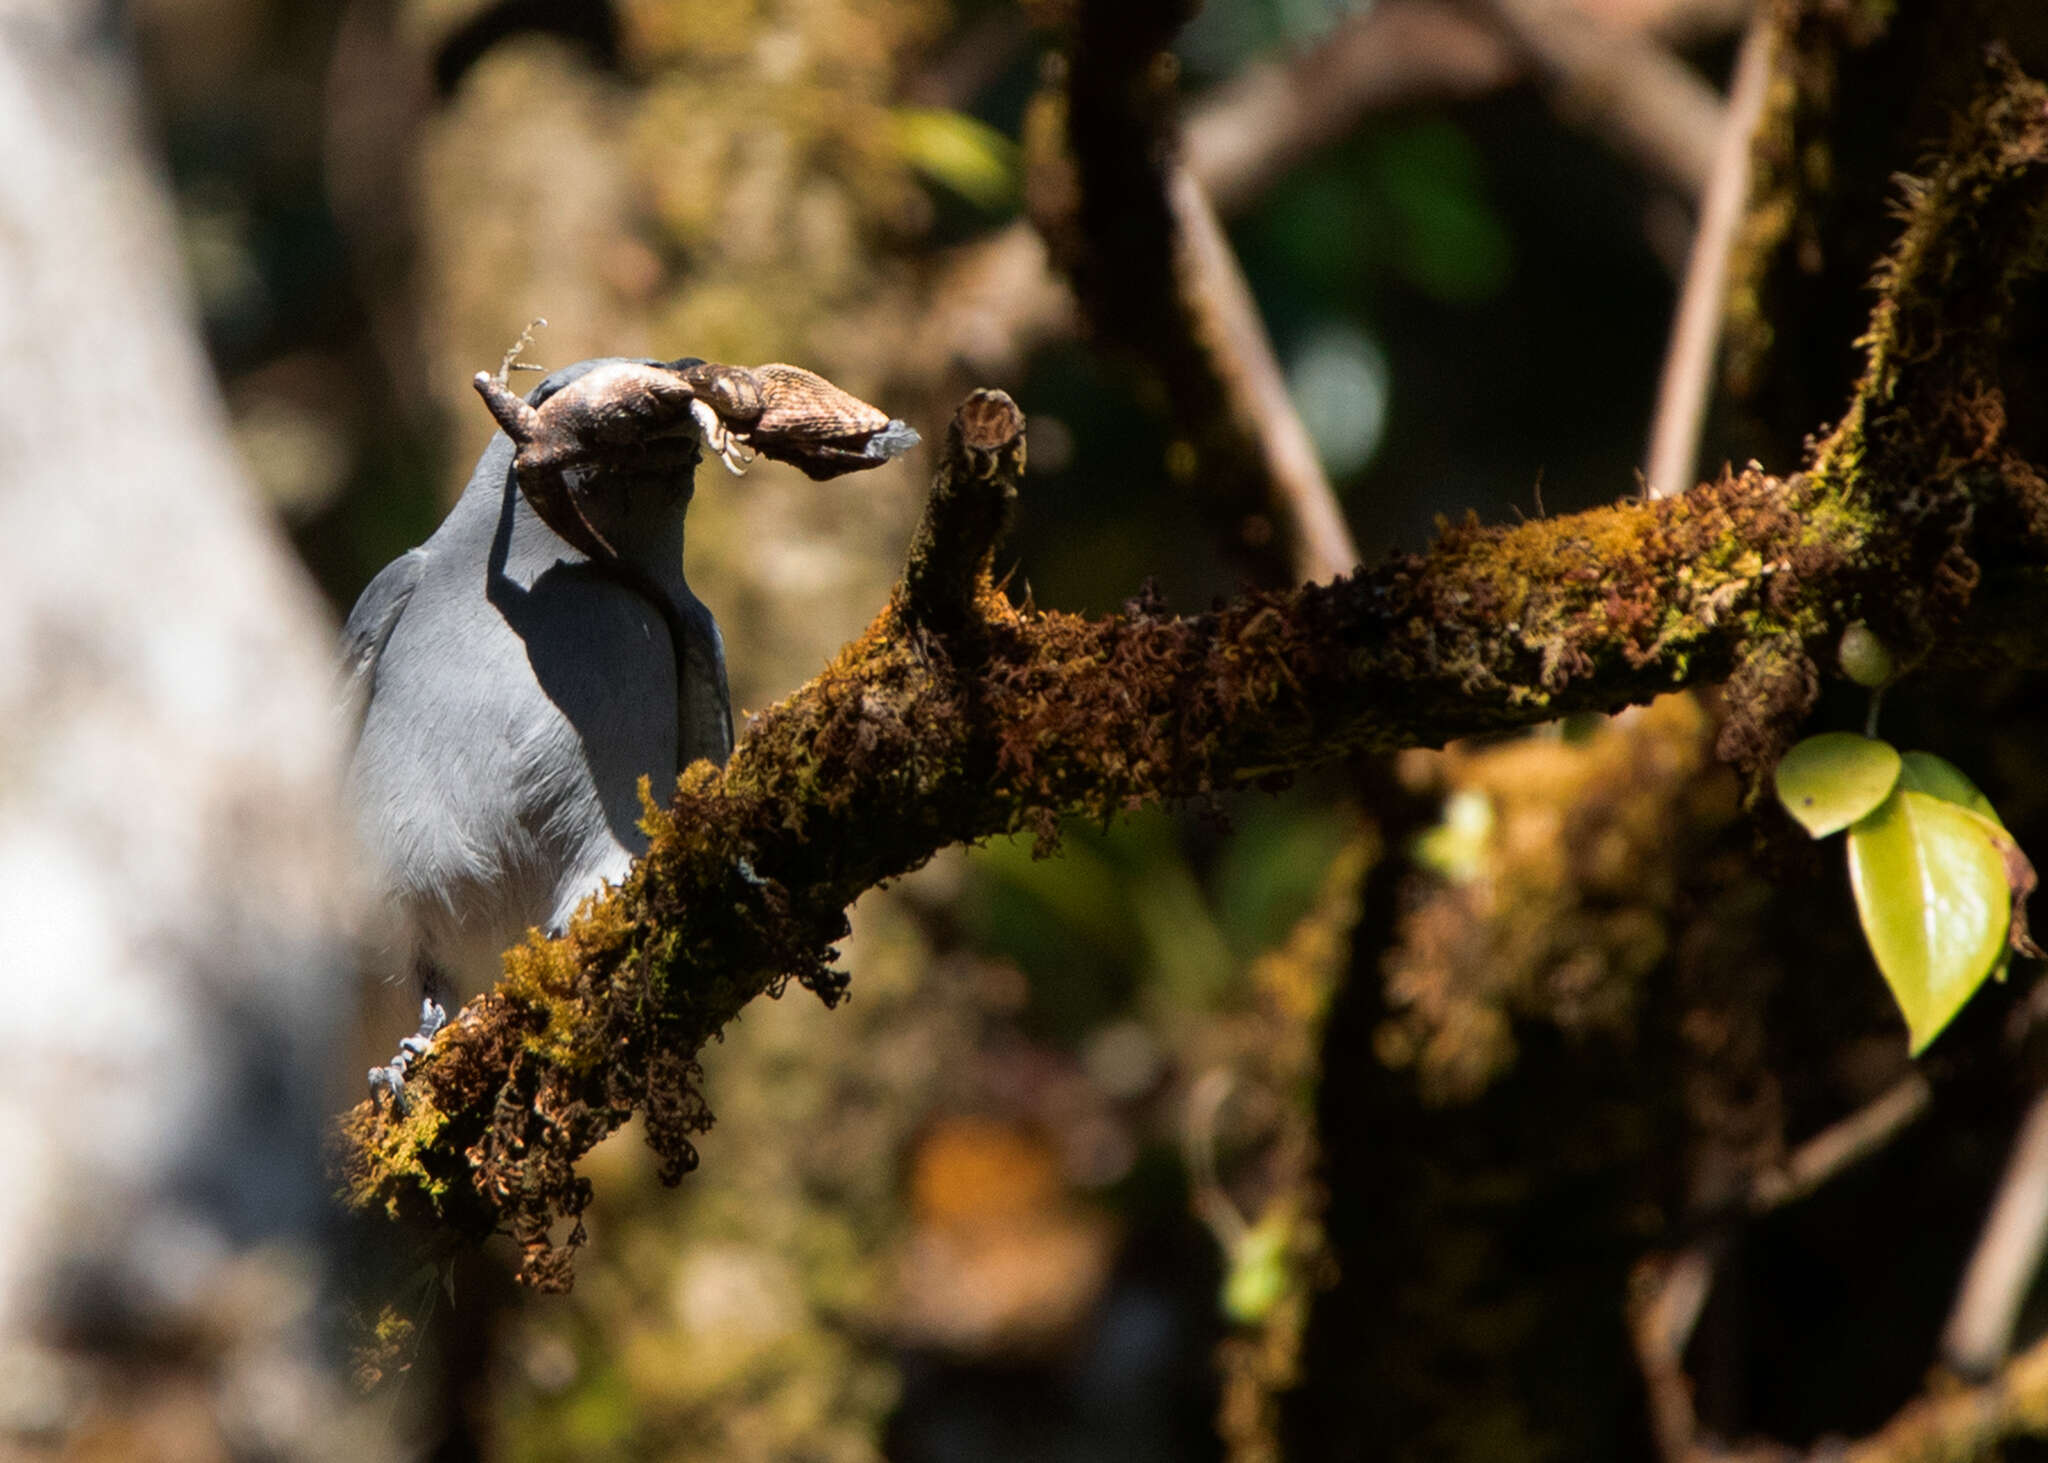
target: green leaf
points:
(1829, 781)
(967, 155)
(1932, 892)
(1260, 1270)
(1940, 778)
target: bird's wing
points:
(369, 627)
(706, 701)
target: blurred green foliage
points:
(1131, 915)
(961, 152)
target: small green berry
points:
(1864, 658)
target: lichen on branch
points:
(959, 716)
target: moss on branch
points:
(958, 716)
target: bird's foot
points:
(387, 1083)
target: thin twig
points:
(2008, 1253)
(1227, 320)
(1696, 328)
(1250, 130)
(1666, 1296)
(1202, 1113)
(1134, 230)
(1645, 101)
(1841, 1145)
(1668, 1293)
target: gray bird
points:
(522, 670)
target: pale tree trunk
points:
(173, 880)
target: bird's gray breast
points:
(497, 774)
(603, 712)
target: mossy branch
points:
(969, 509)
(958, 717)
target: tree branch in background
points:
(1272, 115)
(1219, 305)
(1841, 1146)
(1950, 1422)
(1131, 226)
(997, 300)
(1702, 302)
(1668, 1292)
(1647, 103)
(2008, 1255)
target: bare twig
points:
(2008, 1254)
(1667, 1293)
(1696, 328)
(1250, 130)
(1130, 225)
(1666, 1296)
(1200, 1118)
(1227, 320)
(1273, 114)
(1948, 1422)
(997, 299)
(1649, 104)
(1841, 1146)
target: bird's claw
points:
(387, 1083)
(387, 1087)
